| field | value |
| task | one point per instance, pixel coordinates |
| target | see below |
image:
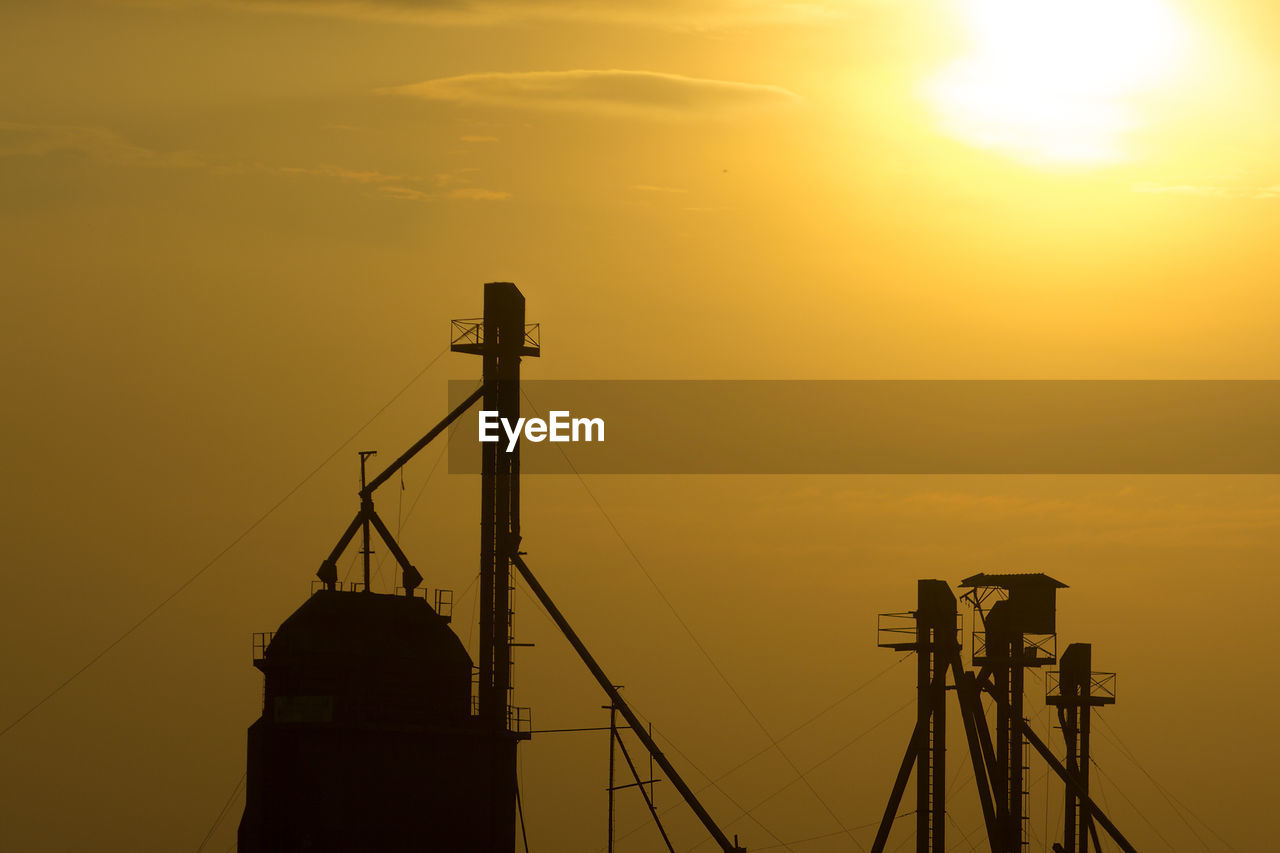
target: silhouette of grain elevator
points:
(379, 734)
(1014, 629)
(370, 739)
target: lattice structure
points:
(1014, 629)
(1075, 690)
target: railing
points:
(339, 586)
(470, 333)
(1102, 687)
(898, 630)
(442, 601)
(979, 647)
(1053, 684)
(444, 604)
(1037, 649)
(519, 717)
(261, 640)
(519, 720)
(895, 630)
(1040, 649)
(1103, 684)
(466, 331)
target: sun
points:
(1057, 81)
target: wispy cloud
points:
(461, 193)
(611, 92)
(653, 188)
(453, 185)
(669, 14)
(360, 176)
(104, 147)
(94, 143)
(406, 193)
(479, 194)
(1225, 191)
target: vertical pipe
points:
(366, 507)
(935, 647)
(613, 743)
(366, 551)
(503, 339)
(1083, 771)
(1000, 678)
(500, 497)
(1069, 735)
(511, 335)
(1016, 772)
(943, 640)
(924, 709)
(1075, 679)
(488, 520)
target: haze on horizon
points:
(233, 229)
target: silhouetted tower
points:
(1075, 690)
(366, 740)
(931, 632)
(1015, 629)
(502, 339)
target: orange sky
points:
(233, 230)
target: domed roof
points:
(364, 657)
(366, 625)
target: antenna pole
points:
(613, 749)
(366, 551)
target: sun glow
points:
(1057, 81)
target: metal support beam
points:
(328, 572)
(422, 442)
(1069, 778)
(895, 796)
(616, 698)
(974, 723)
(410, 578)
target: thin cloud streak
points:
(664, 14)
(634, 94)
(1211, 190)
(95, 143)
(360, 176)
(479, 194)
(103, 147)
